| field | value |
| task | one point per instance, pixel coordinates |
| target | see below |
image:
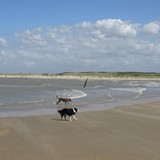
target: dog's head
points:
(76, 109)
(69, 100)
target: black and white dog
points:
(68, 112)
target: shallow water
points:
(24, 97)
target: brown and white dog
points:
(65, 100)
(68, 112)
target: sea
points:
(20, 97)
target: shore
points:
(123, 133)
(72, 77)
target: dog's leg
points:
(68, 103)
(74, 117)
(70, 118)
(58, 102)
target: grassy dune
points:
(150, 75)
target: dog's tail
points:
(57, 96)
(59, 111)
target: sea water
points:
(26, 97)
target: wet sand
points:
(123, 133)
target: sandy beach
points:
(123, 133)
(72, 77)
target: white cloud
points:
(152, 28)
(116, 27)
(106, 45)
(3, 42)
(32, 38)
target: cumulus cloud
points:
(34, 37)
(106, 45)
(116, 27)
(152, 28)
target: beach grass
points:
(114, 74)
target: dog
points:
(65, 100)
(68, 112)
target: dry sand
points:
(124, 133)
(41, 76)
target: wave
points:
(140, 93)
(28, 102)
(152, 84)
(98, 87)
(21, 102)
(138, 90)
(73, 94)
(25, 86)
(145, 83)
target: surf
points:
(73, 94)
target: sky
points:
(53, 36)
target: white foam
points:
(98, 87)
(145, 83)
(138, 90)
(73, 94)
(28, 102)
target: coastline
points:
(29, 97)
(68, 77)
(124, 133)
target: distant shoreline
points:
(76, 77)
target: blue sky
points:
(79, 35)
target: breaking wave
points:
(138, 90)
(145, 84)
(73, 94)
